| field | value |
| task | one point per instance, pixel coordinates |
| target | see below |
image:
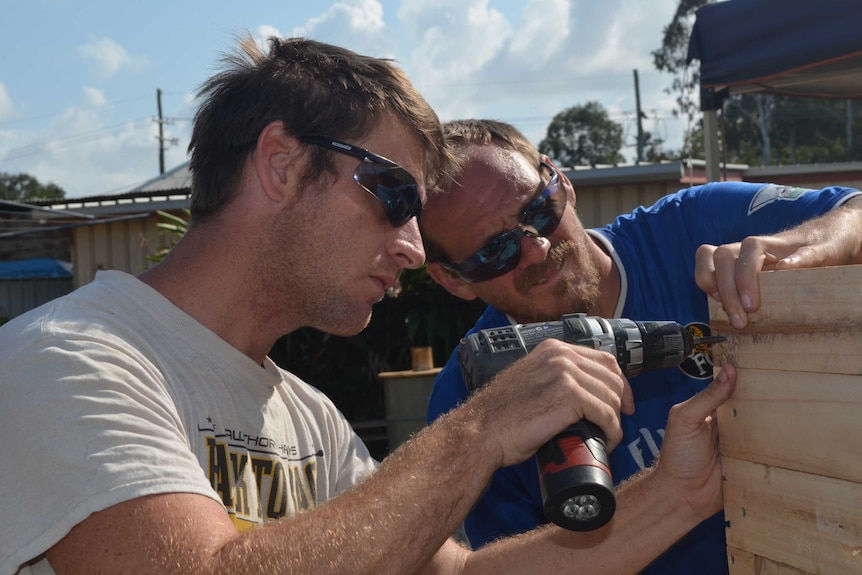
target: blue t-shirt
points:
(654, 249)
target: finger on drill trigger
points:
(628, 399)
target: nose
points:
(407, 247)
(534, 249)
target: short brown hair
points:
(313, 88)
(462, 133)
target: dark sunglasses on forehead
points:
(501, 255)
(391, 184)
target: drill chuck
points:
(574, 471)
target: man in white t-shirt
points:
(146, 431)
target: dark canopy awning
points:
(794, 47)
(809, 48)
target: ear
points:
(450, 281)
(275, 159)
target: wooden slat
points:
(813, 299)
(742, 562)
(838, 351)
(804, 421)
(790, 435)
(809, 522)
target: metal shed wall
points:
(600, 205)
(21, 295)
(117, 245)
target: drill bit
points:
(709, 339)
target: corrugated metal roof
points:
(175, 180)
(43, 227)
(170, 190)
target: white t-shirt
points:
(113, 393)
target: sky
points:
(79, 78)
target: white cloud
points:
(355, 24)
(85, 155)
(542, 31)
(472, 58)
(119, 156)
(448, 49)
(94, 97)
(453, 38)
(108, 56)
(264, 33)
(361, 16)
(628, 36)
(521, 61)
(6, 104)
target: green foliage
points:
(583, 136)
(430, 312)
(671, 58)
(762, 129)
(24, 187)
(175, 227)
(654, 150)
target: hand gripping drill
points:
(574, 472)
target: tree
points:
(24, 187)
(763, 129)
(758, 129)
(583, 136)
(672, 57)
(654, 150)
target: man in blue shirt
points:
(507, 232)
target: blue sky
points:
(78, 78)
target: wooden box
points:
(791, 435)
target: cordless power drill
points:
(574, 472)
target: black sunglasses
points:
(396, 189)
(502, 254)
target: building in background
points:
(121, 231)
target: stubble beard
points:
(576, 291)
(300, 285)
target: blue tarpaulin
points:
(804, 48)
(793, 47)
(34, 268)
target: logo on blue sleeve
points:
(773, 193)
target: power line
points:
(41, 147)
(561, 80)
(83, 108)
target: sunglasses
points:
(391, 184)
(501, 255)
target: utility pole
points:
(640, 144)
(161, 137)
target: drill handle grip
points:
(575, 478)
